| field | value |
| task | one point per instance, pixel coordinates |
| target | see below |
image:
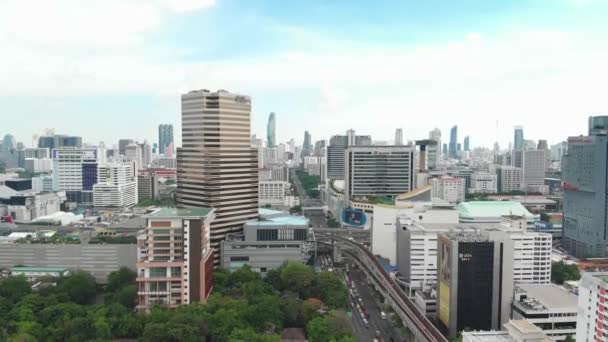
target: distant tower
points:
(518, 138)
(165, 138)
(453, 142)
(398, 136)
(466, 143)
(307, 146)
(271, 130)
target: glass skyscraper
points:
(453, 142)
(165, 138)
(518, 138)
(271, 131)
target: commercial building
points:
(453, 147)
(274, 172)
(399, 136)
(475, 281)
(218, 168)
(271, 137)
(147, 185)
(75, 172)
(175, 263)
(518, 138)
(584, 176)
(44, 165)
(134, 153)
(509, 178)
(272, 192)
(466, 143)
(550, 307)
(516, 331)
(116, 186)
(449, 189)
(122, 146)
(336, 151)
(165, 139)
(58, 141)
(493, 212)
(483, 183)
(165, 162)
(25, 207)
(534, 166)
(42, 184)
(592, 318)
(378, 171)
(268, 242)
(435, 152)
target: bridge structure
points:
(422, 329)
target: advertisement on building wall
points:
(444, 280)
(354, 217)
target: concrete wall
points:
(99, 260)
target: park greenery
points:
(295, 209)
(243, 307)
(164, 202)
(560, 272)
(310, 183)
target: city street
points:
(316, 216)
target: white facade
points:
(67, 167)
(484, 183)
(42, 183)
(116, 186)
(34, 206)
(166, 162)
(134, 153)
(384, 233)
(534, 166)
(36, 153)
(532, 252)
(272, 192)
(38, 165)
(509, 178)
(449, 189)
(592, 319)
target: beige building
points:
(216, 165)
(174, 263)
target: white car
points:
(382, 315)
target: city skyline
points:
(522, 64)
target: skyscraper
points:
(218, 168)
(518, 138)
(584, 179)
(307, 145)
(56, 141)
(466, 143)
(165, 137)
(122, 145)
(435, 134)
(336, 150)
(271, 130)
(453, 142)
(398, 136)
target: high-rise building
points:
(122, 145)
(435, 135)
(146, 153)
(320, 148)
(584, 177)
(453, 142)
(57, 141)
(534, 166)
(592, 312)
(518, 138)
(307, 145)
(466, 143)
(542, 145)
(398, 136)
(444, 149)
(133, 152)
(116, 186)
(475, 274)
(378, 171)
(271, 131)
(165, 138)
(75, 172)
(484, 183)
(449, 189)
(174, 265)
(218, 168)
(147, 185)
(336, 150)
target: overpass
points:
(421, 327)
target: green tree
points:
(273, 277)
(80, 287)
(544, 217)
(264, 313)
(23, 338)
(126, 296)
(121, 278)
(298, 277)
(14, 288)
(330, 289)
(317, 330)
(560, 272)
(569, 338)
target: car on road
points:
(382, 315)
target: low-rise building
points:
(449, 189)
(548, 306)
(272, 192)
(26, 207)
(493, 212)
(483, 183)
(42, 184)
(34, 273)
(516, 331)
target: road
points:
(316, 216)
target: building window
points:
(158, 272)
(239, 258)
(176, 272)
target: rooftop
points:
(180, 213)
(549, 296)
(277, 219)
(39, 269)
(492, 209)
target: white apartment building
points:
(38, 165)
(272, 192)
(483, 183)
(509, 178)
(36, 152)
(75, 172)
(449, 189)
(416, 244)
(549, 307)
(592, 319)
(116, 186)
(42, 183)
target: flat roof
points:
(38, 269)
(288, 220)
(492, 209)
(487, 336)
(551, 296)
(180, 213)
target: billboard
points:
(354, 217)
(445, 276)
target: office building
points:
(518, 138)
(464, 173)
(453, 142)
(435, 135)
(25, 207)
(43, 165)
(36, 153)
(271, 137)
(275, 172)
(75, 172)
(307, 145)
(116, 186)
(165, 138)
(584, 177)
(218, 171)
(509, 178)
(378, 171)
(515, 331)
(134, 154)
(592, 312)
(122, 145)
(558, 150)
(466, 143)
(58, 141)
(449, 189)
(336, 151)
(175, 264)
(146, 154)
(147, 185)
(399, 136)
(320, 148)
(483, 183)
(444, 150)
(42, 183)
(475, 276)
(534, 166)
(165, 162)
(550, 307)
(272, 192)
(267, 243)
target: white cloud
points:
(187, 5)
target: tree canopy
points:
(560, 272)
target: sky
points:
(115, 69)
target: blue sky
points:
(114, 69)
